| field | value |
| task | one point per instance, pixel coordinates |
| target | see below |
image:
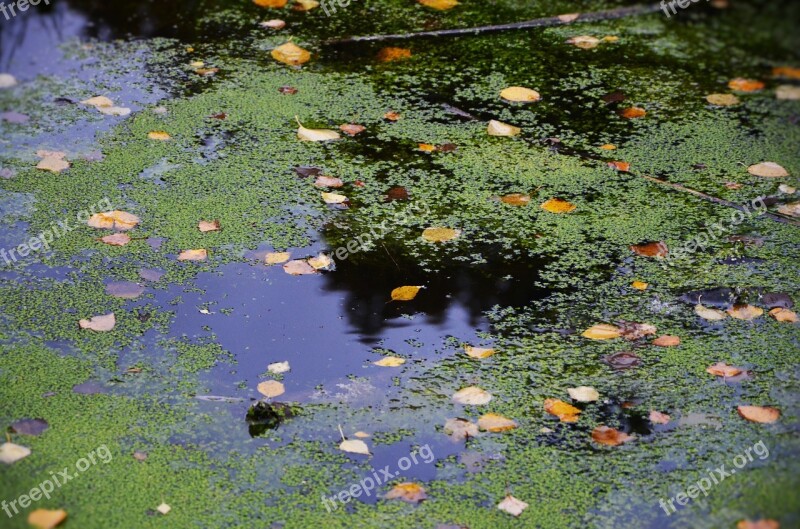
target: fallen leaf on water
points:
(656, 417)
(633, 113)
(622, 360)
(29, 426)
(164, 508)
(124, 289)
(472, 395)
(568, 17)
(52, 161)
(390, 361)
(320, 262)
(787, 189)
(620, 166)
(333, 198)
(328, 181)
(512, 505)
(159, 135)
(276, 257)
(405, 293)
(745, 85)
(787, 92)
(114, 111)
(427, 147)
(354, 446)
(206, 225)
(516, 199)
(793, 209)
(667, 340)
(275, 23)
(722, 100)
(7, 80)
(389, 54)
(650, 249)
(397, 193)
(492, 422)
(631, 330)
(440, 234)
(745, 312)
(610, 436)
(46, 518)
(610, 38)
(520, 94)
(305, 5)
(351, 129)
(392, 116)
(787, 72)
(117, 239)
(709, 314)
(305, 134)
(299, 268)
(103, 323)
(278, 367)
(441, 5)
(460, 428)
(288, 90)
(10, 453)
(784, 315)
(608, 147)
(478, 352)
(767, 170)
(639, 285)
(765, 523)
(361, 435)
(602, 331)
(14, 117)
(584, 42)
(498, 128)
(291, 54)
(761, 414)
(276, 4)
(98, 101)
(114, 220)
(565, 412)
(271, 388)
(557, 205)
(409, 492)
(583, 394)
(721, 369)
(199, 254)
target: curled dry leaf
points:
(103, 323)
(11, 453)
(584, 42)
(291, 54)
(159, 135)
(351, 129)
(117, 239)
(656, 417)
(276, 257)
(565, 412)
(761, 414)
(765, 523)
(333, 198)
(472, 395)
(788, 92)
(205, 225)
(745, 85)
(498, 128)
(299, 268)
(354, 446)
(478, 352)
(198, 254)
(605, 435)
(639, 285)
(320, 262)
(650, 249)
(275, 23)
(440, 234)
(409, 492)
(568, 17)
(516, 199)
(305, 134)
(390, 53)
(390, 361)
(602, 331)
(792, 210)
(46, 518)
(708, 313)
(767, 170)
(512, 505)
(520, 94)
(745, 312)
(441, 5)
(667, 340)
(557, 205)
(722, 100)
(492, 422)
(633, 113)
(114, 220)
(784, 315)
(271, 388)
(583, 394)
(721, 369)
(459, 428)
(406, 293)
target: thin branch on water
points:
(561, 20)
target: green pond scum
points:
(176, 405)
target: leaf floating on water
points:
(117, 239)
(650, 249)
(584, 42)
(583, 394)
(114, 220)
(352, 129)
(275, 23)
(512, 505)
(276, 257)
(328, 181)
(565, 412)
(633, 113)
(406, 293)
(389, 54)
(568, 17)
(745, 312)
(516, 199)
(305, 5)
(354, 446)
(498, 128)
(333, 198)
(478, 352)
(767, 170)
(124, 290)
(639, 285)
(102, 323)
(299, 268)
(722, 100)
(792, 210)
(520, 94)
(492, 422)
(206, 226)
(608, 147)
(784, 315)
(392, 116)
(459, 428)
(159, 135)
(11, 453)
(46, 518)
(164, 508)
(787, 92)
(760, 414)
(472, 395)
(441, 5)
(199, 254)
(98, 101)
(745, 85)
(52, 161)
(291, 54)
(610, 436)
(274, 4)
(721, 369)
(305, 134)
(557, 205)
(786, 72)
(622, 360)
(709, 314)
(633, 331)
(278, 367)
(620, 166)
(390, 361)
(29, 426)
(7, 80)
(602, 331)
(320, 262)
(271, 388)
(656, 417)
(667, 340)
(440, 234)
(427, 147)
(766, 523)
(408, 492)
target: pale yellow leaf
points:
(103, 323)
(440, 234)
(98, 101)
(320, 262)
(277, 257)
(206, 225)
(271, 388)
(10, 453)
(602, 331)
(159, 135)
(709, 314)
(390, 361)
(584, 42)
(199, 254)
(512, 505)
(498, 128)
(354, 446)
(492, 422)
(163, 508)
(333, 198)
(520, 94)
(583, 394)
(722, 100)
(472, 395)
(278, 367)
(115, 220)
(299, 268)
(478, 352)
(767, 170)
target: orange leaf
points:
(784, 315)
(276, 4)
(761, 414)
(516, 199)
(491, 422)
(393, 54)
(199, 254)
(205, 225)
(650, 249)
(117, 220)
(656, 417)
(745, 85)
(557, 205)
(786, 71)
(565, 412)
(409, 492)
(117, 239)
(758, 524)
(392, 116)
(609, 436)
(745, 312)
(721, 369)
(46, 519)
(351, 129)
(620, 166)
(633, 113)
(667, 341)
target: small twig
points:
(610, 14)
(341, 432)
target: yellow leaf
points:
(102, 323)
(722, 100)
(565, 412)
(767, 170)
(362, 435)
(602, 331)
(583, 394)
(492, 422)
(557, 205)
(305, 134)
(520, 94)
(721, 369)
(568, 17)
(406, 293)
(639, 285)
(440, 234)
(409, 492)
(98, 101)
(53, 164)
(441, 5)
(784, 315)
(206, 226)
(792, 210)
(472, 395)
(159, 135)
(608, 147)
(333, 198)
(305, 5)
(393, 54)
(427, 147)
(276, 257)
(745, 312)
(291, 54)
(320, 262)
(275, 4)
(512, 505)
(584, 42)
(199, 254)
(390, 361)
(115, 220)
(271, 388)
(498, 128)
(709, 314)
(46, 519)
(478, 352)
(10, 453)
(354, 446)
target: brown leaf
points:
(610, 436)
(206, 226)
(633, 331)
(199, 254)
(745, 312)
(458, 428)
(124, 290)
(650, 249)
(409, 492)
(721, 369)
(274, 23)
(722, 100)
(784, 315)
(117, 239)
(516, 199)
(656, 417)
(102, 323)
(767, 170)
(29, 426)
(115, 220)
(328, 181)
(667, 340)
(390, 54)
(272, 258)
(299, 268)
(584, 42)
(397, 193)
(351, 129)
(622, 360)
(392, 116)
(760, 414)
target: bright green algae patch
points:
(240, 170)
